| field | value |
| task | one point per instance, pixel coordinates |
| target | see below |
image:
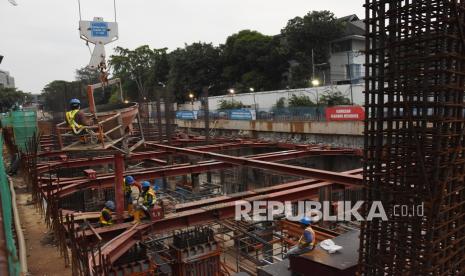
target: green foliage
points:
(246, 59)
(10, 97)
(87, 75)
(303, 100)
(142, 68)
(331, 98)
(115, 97)
(281, 103)
(57, 94)
(252, 59)
(193, 67)
(302, 34)
(230, 104)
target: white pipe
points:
(19, 230)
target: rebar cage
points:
(414, 137)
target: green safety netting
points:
(5, 196)
(24, 124)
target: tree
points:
(314, 31)
(281, 103)
(141, 68)
(57, 94)
(334, 97)
(230, 104)
(87, 75)
(298, 101)
(193, 67)
(252, 59)
(10, 97)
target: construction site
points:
(202, 173)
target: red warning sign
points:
(345, 113)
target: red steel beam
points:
(273, 156)
(236, 196)
(106, 181)
(200, 216)
(80, 162)
(179, 142)
(283, 168)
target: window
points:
(342, 46)
(355, 71)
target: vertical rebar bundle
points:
(414, 137)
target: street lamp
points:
(251, 89)
(126, 101)
(315, 82)
(231, 92)
(191, 97)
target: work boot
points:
(137, 214)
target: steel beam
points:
(283, 168)
(95, 161)
(106, 181)
(201, 216)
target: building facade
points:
(347, 58)
(6, 80)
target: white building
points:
(6, 80)
(347, 53)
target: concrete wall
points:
(311, 127)
(267, 99)
(343, 134)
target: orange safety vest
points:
(102, 219)
(303, 243)
(70, 118)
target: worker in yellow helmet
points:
(76, 119)
(306, 241)
(106, 218)
(145, 203)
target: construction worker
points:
(76, 119)
(148, 194)
(306, 241)
(130, 187)
(105, 215)
(145, 202)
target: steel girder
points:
(260, 164)
(108, 180)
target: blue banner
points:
(186, 115)
(99, 29)
(240, 114)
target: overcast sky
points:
(40, 40)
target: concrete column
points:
(170, 181)
(223, 182)
(195, 183)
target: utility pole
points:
(313, 65)
(350, 78)
(206, 109)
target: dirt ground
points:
(43, 257)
